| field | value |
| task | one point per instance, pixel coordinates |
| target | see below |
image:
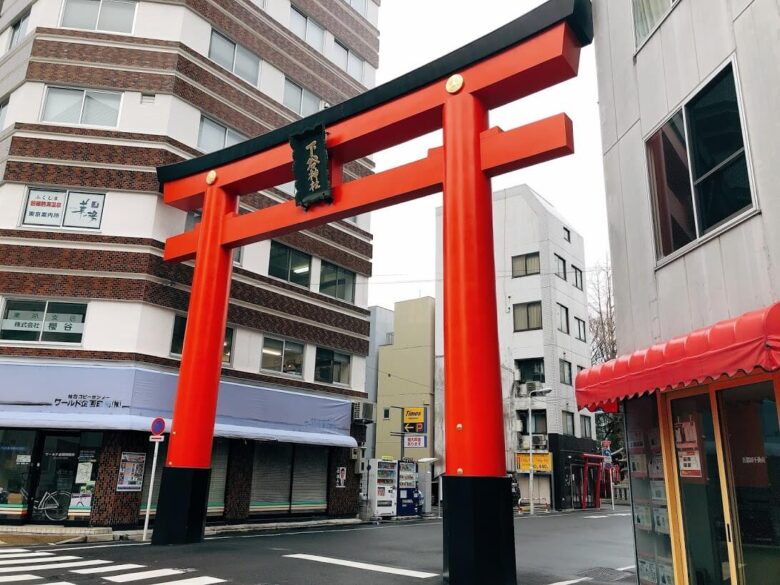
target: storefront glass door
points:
(699, 481)
(751, 437)
(56, 476)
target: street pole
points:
(530, 457)
(611, 490)
(151, 485)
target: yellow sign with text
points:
(542, 462)
(415, 414)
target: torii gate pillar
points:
(455, 94)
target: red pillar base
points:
(181, 506)
(479, 531)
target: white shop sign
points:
(52, 326)
(57, 208)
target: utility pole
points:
(539, 392)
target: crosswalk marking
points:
(16, 578)
(52, 566)
(144, 575)
(36, 561)
(60, 583)
(364, 566)
(109, 569)
(194, 581)
(26, 555)
(13, 550)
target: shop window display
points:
(649, 497)
(16, 447)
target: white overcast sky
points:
(414, 32)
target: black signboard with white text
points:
(310, 167)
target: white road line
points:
(60, 583)
(364, 566)
(46, 559)
(26, 555)
(144, 575)
(52, 566)
(589, 517)
(572, 582)
(111, 569)
(194, 581)
(628, 568)
(13, 550)
(16, 578)
(103, 546)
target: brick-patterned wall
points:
(238, 486)
(345, 501)
(109, 507)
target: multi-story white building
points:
(543, 340)
(94, 95)
(688, 92)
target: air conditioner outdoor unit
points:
(540, 441)
(363, 412)
(527, 388)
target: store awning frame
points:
(725, 349)
(129, 422)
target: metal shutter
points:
(219, 462)
(271, 478)
(310, 479)
(157, 475)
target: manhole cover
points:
(603, 574)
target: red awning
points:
(724, 349)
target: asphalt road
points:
(558, 549)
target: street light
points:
(539, 392)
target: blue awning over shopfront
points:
(128, 398)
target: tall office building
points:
(94, 94)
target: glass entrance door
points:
(707, 532)
(751, 437)
(59, 461)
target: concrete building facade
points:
(543, 340)
(93, 96)
(405, 381)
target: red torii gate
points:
(454, 93)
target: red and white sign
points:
(415, 441)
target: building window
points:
(692, 200)
(331, 367)
(79, 106)
(586, 426)
(307, 29)
(577, 277)
(539, 418)
(568, 422)
(647, 14)
(565, 372)
(18, 31)
(528, 316)
(214, 136)
(35, 320)
(525, 265)
(349, 61)
(560, 267)
(108, 15)
(563, 319)
(386, 414)
(530, 370)
(234, 57)
(289, 264)
(580, 329)
(300, 100)
(3, 110)
(282, 356)
(359, 5)
(64, 209)
(338, 282)
(177, 339)
(567, 234)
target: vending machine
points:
(382, 481)
(407, 486)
